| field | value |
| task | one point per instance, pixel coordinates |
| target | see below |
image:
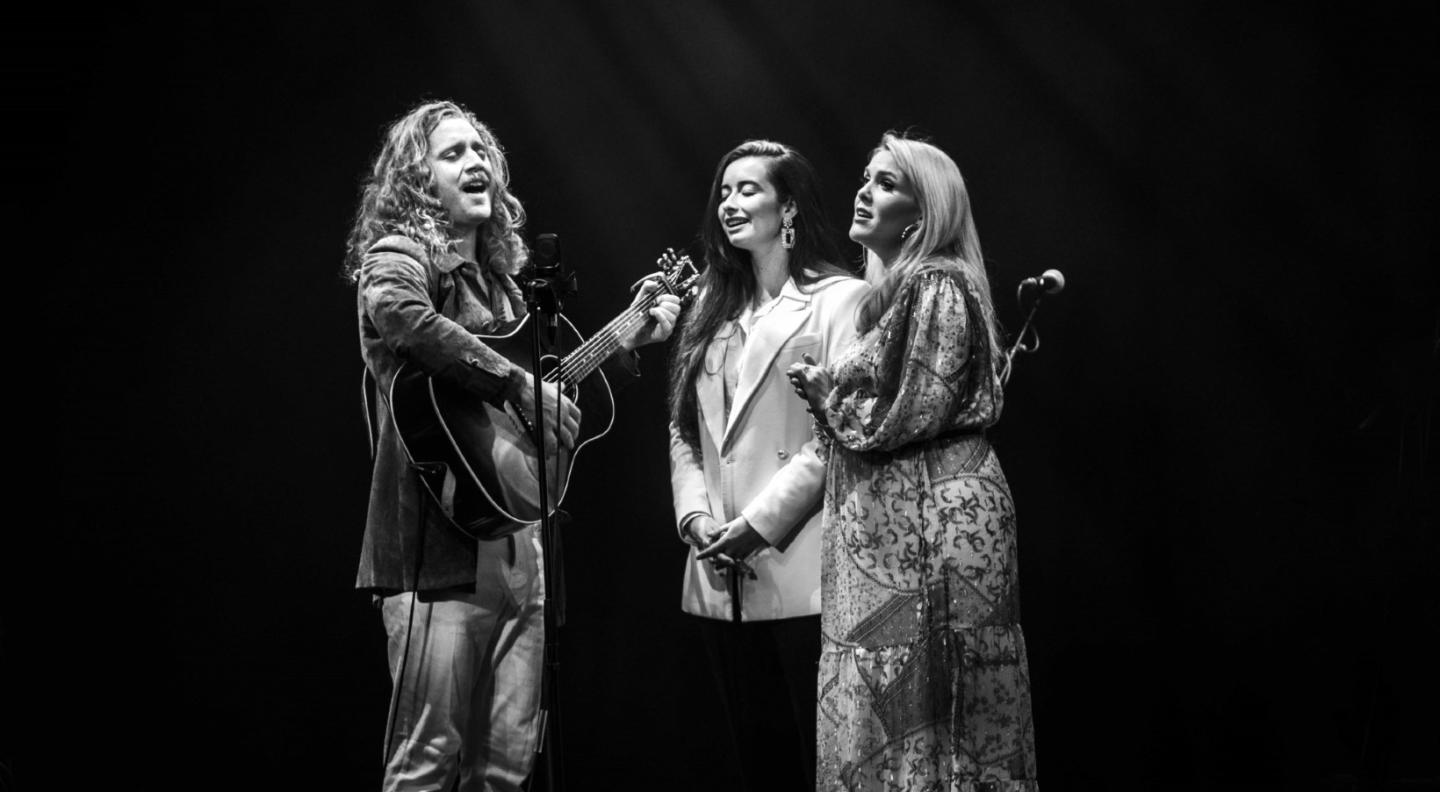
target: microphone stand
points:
(543, 302)
(1019, 344)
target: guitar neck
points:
(598, 348)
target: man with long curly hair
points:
(436, 238)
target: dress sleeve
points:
(395, 290)
(917, 387)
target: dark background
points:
(1219, 454)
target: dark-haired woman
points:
(745, 475)
(923, 676)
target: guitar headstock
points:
(679, 274)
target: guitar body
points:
(480, 461)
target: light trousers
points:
(466, 670)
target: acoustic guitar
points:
(481, 462)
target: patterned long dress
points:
(923, 675)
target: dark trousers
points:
(766, 673)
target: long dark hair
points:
(728, 282)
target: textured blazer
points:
(427, 312)
(762, 461)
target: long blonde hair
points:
(398, 195)
(946, 233)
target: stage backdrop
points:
(1217, 452)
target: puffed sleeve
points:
(395, 290)
(920, 385)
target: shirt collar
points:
(451, 261)
(790, 291)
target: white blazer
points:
(762, 461)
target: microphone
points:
(548, 277)
(1051, 281)
(547, 255)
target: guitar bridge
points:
(529, 426)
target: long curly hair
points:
(946, 232)
(728, 282)
(398, 195)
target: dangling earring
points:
(787, 233)
(910, 229)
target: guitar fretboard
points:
(595, 350)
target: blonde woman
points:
(923, 676)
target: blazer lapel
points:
(763, 346)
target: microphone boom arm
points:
(1019, 345)
(1051, 282)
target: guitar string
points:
(587, 355)
(601, 345)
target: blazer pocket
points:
(795, 348)
(802, 342)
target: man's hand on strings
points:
(660, 318)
